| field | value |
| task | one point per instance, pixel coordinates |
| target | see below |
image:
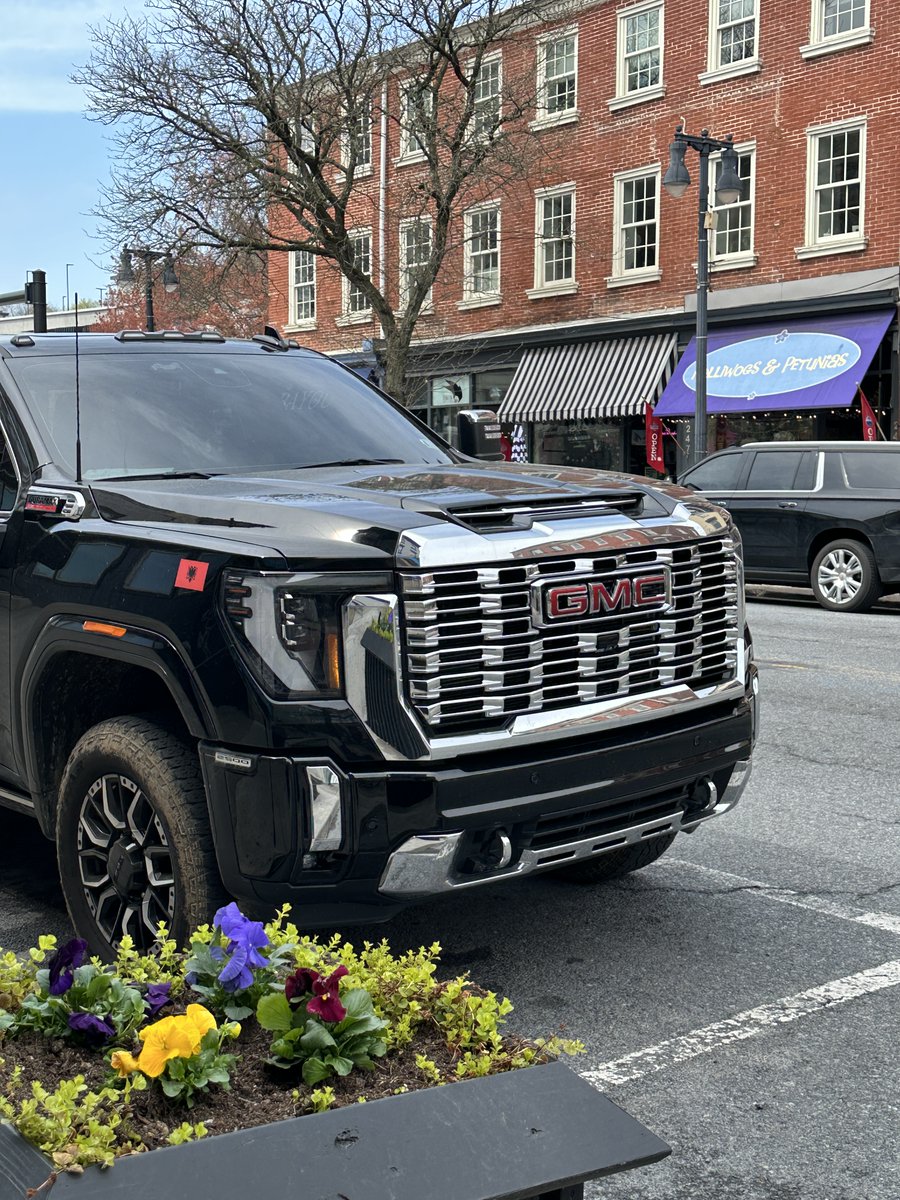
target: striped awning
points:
(585, 380)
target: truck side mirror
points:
(479, 434)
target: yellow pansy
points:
(201, 1018)
(172, 1037)
(124, 1063)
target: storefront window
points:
(491, 387)
(596, 444)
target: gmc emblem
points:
(599, 597)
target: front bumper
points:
(406, 832)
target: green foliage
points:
(74, 1126)
(321, 1099)
(186, 1132)
(322, 1049)
(17, 975)
(164, 963)
(183, 1078)
(94, 990)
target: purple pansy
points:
(300, 983)
(245, 940)
(325, 1002)
(95, 1029)
(157, 997)
(63, 964)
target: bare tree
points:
(240, 125)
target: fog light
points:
(326, 828)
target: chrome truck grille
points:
(485, 643)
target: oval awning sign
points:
(775, 364)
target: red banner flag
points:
(870, 429)
(654, 432)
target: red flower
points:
(325, 1002)
(300, 983)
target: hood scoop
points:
(522, 515)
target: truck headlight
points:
(287, 632)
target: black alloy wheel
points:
(133, 839)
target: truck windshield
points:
(211, 413)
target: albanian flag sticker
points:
(191, 575)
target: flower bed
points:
(250, 1024)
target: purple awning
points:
(813, 363)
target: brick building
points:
(570, 302)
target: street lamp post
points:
(147, 257)
(729, 189)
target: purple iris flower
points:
(245, 940)
(157, 997)
(95, 1029)
(63, 964)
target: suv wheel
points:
(844, 576)
(616, 862)
(133, 839)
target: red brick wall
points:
(772, 107)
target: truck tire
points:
(844, 576)
(133, 838)
(615, 863)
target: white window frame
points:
(559, 287)
(297, 321)
(362, 168)
(359, 316)
(411, 150)
(819, 44)
(814, 246)
(404, 264)
(622, 277)
(488, 102)
(623, 98)
(742, 258)
(472, 298)
(564, 116)
(715, 70)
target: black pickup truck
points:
(266, 636)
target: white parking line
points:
(886, 922)
(742, 1026)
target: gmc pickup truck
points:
(267, 636)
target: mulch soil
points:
(259, 1093)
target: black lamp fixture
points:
(125, 275)
(729, 189)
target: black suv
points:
(263, 633)
(825, 514)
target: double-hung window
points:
(412, 110)
(356, 142)
(733, 39)
(639, 55)
(558, 78)
(635, 226)
(731, 242)
(303, 288)
(481, 279)
(486, 97)
(554, 259)
(356, 302)
(415, 252)
(835, 188)
(837, 24)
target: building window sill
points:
(734, 262)
(550, 120)
(842, 41)
(360, 318)
(557, 289)
(848, 246)
(301, 326)
(359, 173)
(407, 160)
(485, 301)
(620, 102)
(750, 66)
(617, 281)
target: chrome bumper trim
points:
(424, 864)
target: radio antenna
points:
(77, 402)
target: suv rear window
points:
(869, 469)
(781, 471)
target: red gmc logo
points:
(598, 597)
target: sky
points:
(53, 160)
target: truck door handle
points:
(787, 504)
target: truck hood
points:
(354, 513)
